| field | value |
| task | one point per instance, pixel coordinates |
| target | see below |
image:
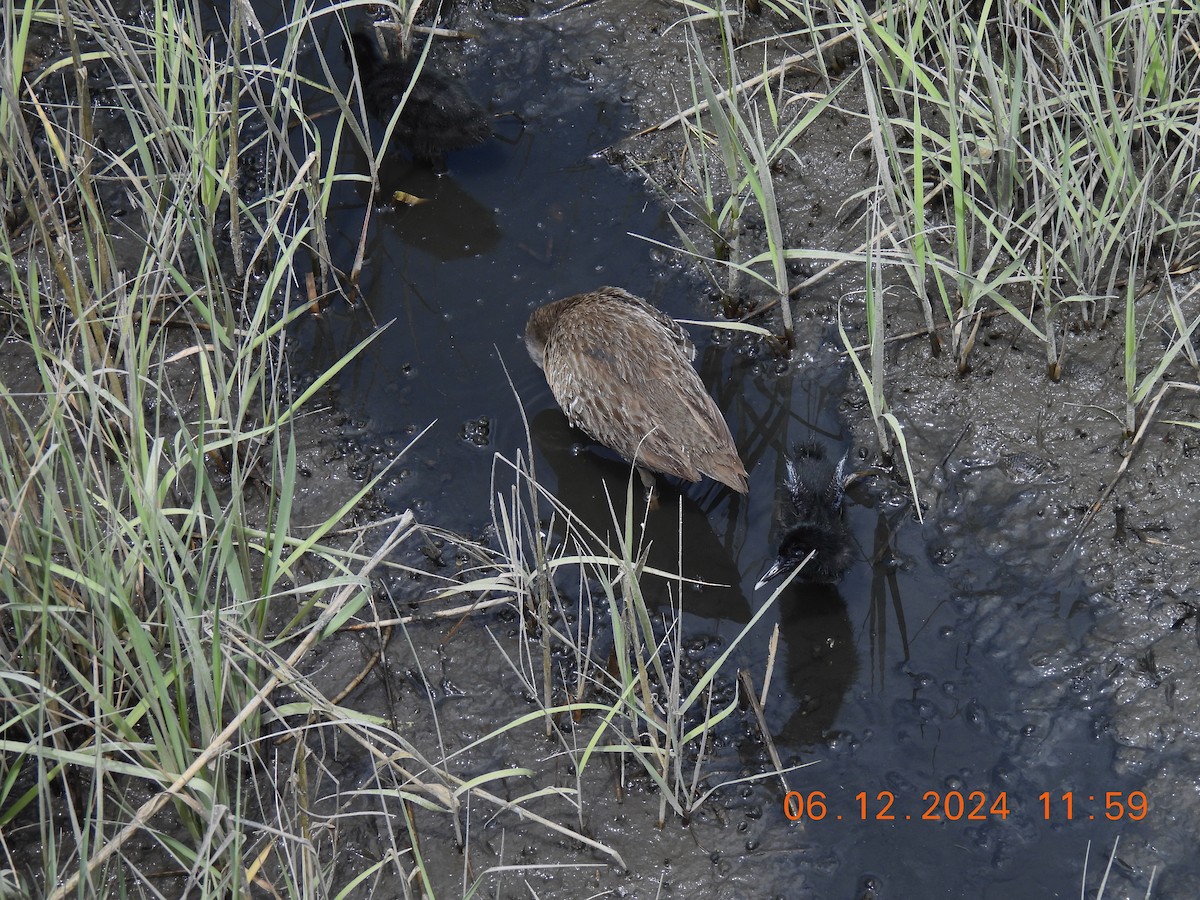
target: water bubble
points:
(476, 431)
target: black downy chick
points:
(815, 489)
(439, 115)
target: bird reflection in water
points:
(584, 484)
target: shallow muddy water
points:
(940, 669)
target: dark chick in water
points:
(622, 371)
(815, 489)
(438, 116)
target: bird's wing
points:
(611, 386)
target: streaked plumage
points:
(439, 114)
(815, 489)
(622, 371)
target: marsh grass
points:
(164, 196)
(620, 688)
(149, 466)
(733, 138)
(1063, 152)
(872, 376)
(1036, 163)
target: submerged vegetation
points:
(163, 203)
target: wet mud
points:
(995, 650)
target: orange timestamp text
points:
(957, 806)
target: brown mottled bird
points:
(622, 371)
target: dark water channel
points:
(941, 661)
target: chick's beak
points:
(777, 568)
